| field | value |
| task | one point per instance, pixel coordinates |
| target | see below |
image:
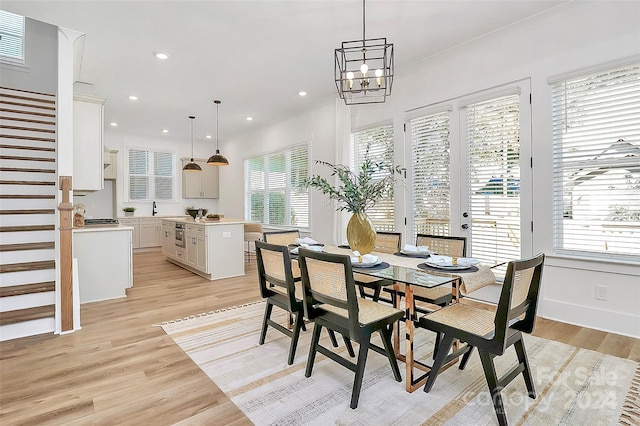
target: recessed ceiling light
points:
(302, 93)
(161, 55)
(114, 124)
(165, 131)
(208, 136)
(249, 118)
(133, 98)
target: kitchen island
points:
(105, 265)
(211, 249)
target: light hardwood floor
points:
(120, 369)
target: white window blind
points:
(596, 139)
(274, 190)
(379, 144)
(151, 175)
(11, 37)
(493, 139)
(430, 168)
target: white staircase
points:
(28, 190)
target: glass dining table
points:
(405, 269)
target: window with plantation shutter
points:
(11, 37)
(379, 144)
(430, 174)
(151, 175)
(596, 139)
(493, 178)
(274, 190)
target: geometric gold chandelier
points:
(364, 69)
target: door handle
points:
(465, 226)
(465, 214)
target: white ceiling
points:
(252, 55)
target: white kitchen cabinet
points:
(135, 235)
(213, 250)
(196, 247)
(111, 165)
(150, 232)
(105, 265)
(202, 184)
(169, 239)
(88, 130)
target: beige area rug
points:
(574, 386)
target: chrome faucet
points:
(154, 212)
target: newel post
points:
(66, 255)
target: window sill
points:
(593, 264)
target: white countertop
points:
(103, 228)
(222, 221)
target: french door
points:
(471, 172)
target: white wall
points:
(316, 126)
(572, 37)
(122, 141)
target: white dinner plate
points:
(448, 268)
(415, 253)
(365, 264)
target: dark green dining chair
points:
(492, 332)
(368, 286)
(331, 302)
(279, 287)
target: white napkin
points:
(367, 258)
(448, 260)
(312, 248)
(410, 248)
(306, 241)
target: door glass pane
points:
(493, 142)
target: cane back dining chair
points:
(281, 238)
(386, 242)
(330, 300)
(252, 233)
(280, 288)
(492, 333)
(443, 245)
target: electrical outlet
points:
(601, 292)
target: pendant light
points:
(192, 166)
(217, 159)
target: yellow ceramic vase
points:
(361, 234)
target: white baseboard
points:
(598, 319)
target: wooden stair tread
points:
(27, 120)
(18, 290)
(28, 314)
(28, 266)
(27, 138)
(17, 157)
(19, 111)
(29, 148)
(27, 228)
(28, 129)
(26, 197)
(28, 98)
(27, 246)
(26, 182)
(22, 104)
(28, 211)
(25, 170)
